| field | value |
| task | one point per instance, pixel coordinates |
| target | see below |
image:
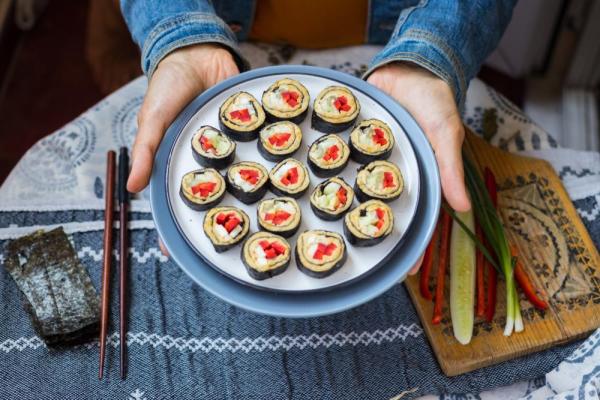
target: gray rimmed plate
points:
(174, 158)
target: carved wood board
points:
(556, 251)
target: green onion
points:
(492, 228)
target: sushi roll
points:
(247, 181)
(320, 253)
(371, 140)
(289, 178)
(202, 189)
(241, 117)
(335, 109)
(381, 180)
(212, 148)
(280, 215)
(225, 227)
(286, 100)
(331, 199)
(279, 140)
(265, 255)
(328, 156)
(368, 224)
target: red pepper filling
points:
(279, 139)
(277, 217)
(332, 153)
(243, 115)
(342, 195)
(380, 218)
(290, 97)
(379, 137)
(250, 175)
(290, 177)
(324, 250)
(388, 180)
(207, 145)
(229, 221)
(341, 104)
(272, 249)
(204, 188)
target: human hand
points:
(179, 77)
(431, 102)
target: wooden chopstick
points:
(123, 259)
(108, 227)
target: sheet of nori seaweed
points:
(58, 293)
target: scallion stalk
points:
(493, 230)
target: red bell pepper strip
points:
(525, 282)
(427, 264)
(480, 310)
(441, 271)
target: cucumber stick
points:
(462, 278)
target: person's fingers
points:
(415, 268)
(167, 94)
(163, 249)
(448, 152)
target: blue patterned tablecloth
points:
(187, 344)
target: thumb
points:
(448, 150)
(164, 100)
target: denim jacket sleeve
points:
(160, 27)
(450, 38)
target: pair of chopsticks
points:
(123, 255)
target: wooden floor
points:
(47, 82)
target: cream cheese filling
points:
(281, 170)
(256, 257)
(362, 136)
(325, 105)
(320, 147)
(271, 206)
(363, 219)
(239, 102)
(217, 233)
(194, 178)
(278, 128)
(308, 243)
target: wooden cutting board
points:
(556, 251)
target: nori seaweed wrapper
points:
(58, 293)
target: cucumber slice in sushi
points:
(225, 227)
(212, 148)
(279, 140)
(280, 215)
(371, 140)
(331, 199)
(289, 178)
(334, 110)
(265, 255)
(247, 181)
(202, 189)
(328, 156)
(368, 224)
(241, 116)
(381, 180)
(320, 253)
(286, 100)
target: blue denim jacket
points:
(450, 38)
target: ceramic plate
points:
(295, 303)
(361, 260)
